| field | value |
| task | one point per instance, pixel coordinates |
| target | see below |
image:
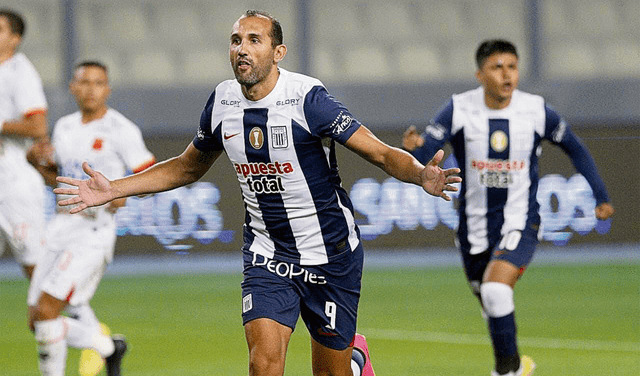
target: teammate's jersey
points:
(282, 148)
(497, 152)
(112, 145)
(21, 94)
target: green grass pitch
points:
(573, 320)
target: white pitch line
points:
(478, 339)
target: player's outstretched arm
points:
(403, 166)
(94, 191)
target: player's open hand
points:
(437, 181)
(411, 139)
(87, 193)
(604, 211)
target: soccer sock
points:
(357, 362)
(52, 346)
(83, 336)
(497, 299)
(503, 337)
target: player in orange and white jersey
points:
(81, 247)
(23, 118)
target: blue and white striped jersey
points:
(282, 148)
(497, 152)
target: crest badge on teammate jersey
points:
(279, 137)
(499, 141)
(256, 138)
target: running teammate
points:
(496, 131)
(23, 118)
(81, 246)
(302, 251)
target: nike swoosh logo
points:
(228, 136)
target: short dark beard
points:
(249, 81)
(257, 75)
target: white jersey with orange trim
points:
(21, 95)
(112, 145)
(21, 186)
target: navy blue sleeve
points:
(436, 134)
(206, 139)
(558, 132)
(327, 117)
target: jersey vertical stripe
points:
(497, 152)
(496, 196)
(282, 148)
(257, 152)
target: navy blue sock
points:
(503, 337)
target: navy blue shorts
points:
(325, 296)
(516, 247)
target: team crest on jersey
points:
(499, 141)
(200, 134)
(279, 137)
(256, 138)
(97, 144)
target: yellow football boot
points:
(527, 365)
(91, 363)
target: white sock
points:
(82, 336)
(355, 368)
(52, 346)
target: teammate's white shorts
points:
(22, 221)
(72, 269)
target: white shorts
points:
(72, 270)
(22, 221)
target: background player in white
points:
(495, 131)
(302, 252)
(81, 246)
(23, 118)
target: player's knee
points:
(265, 362)
(497, 299)
(44, 312)
(48, 308)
